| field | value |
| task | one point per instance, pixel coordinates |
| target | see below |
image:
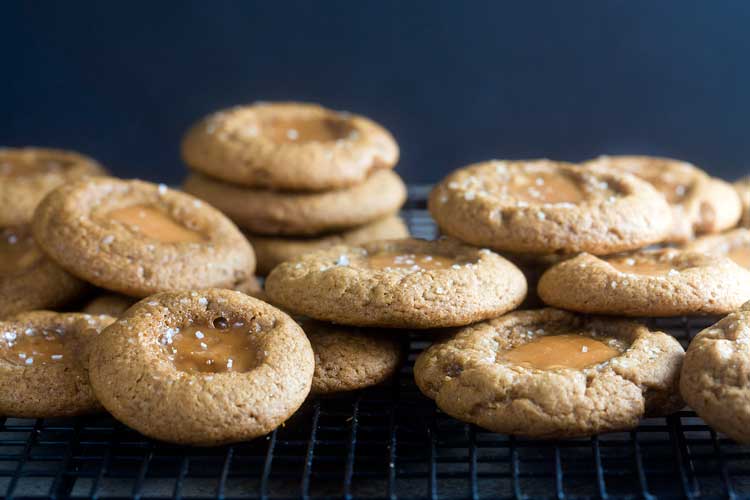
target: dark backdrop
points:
(456, 82)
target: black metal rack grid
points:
(385, 442)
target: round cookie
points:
(44, 364)
(714, 380)
(348, 358)
(699, 203)
(288, 146)
(544, 207)
(551, 374)
(28, 174)
(733, 244)
(666, 282)
(272, 251)
(28, 279)
(404, 283)
(274, 213)
(202, 368)
(743, 189)
(111, 304)
(137, 238)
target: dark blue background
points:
(456, 82)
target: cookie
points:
(406, 283)
(44, 364)
(137, 238)
(28, 174)
(28, 279)
(743, 189)
(544, 207)
(111, 304)
(272, 251)
(700, 204)
(733, 244)
(551, 374)
(202, 368)
(288, 146)
(666, 282)
(348, 358)
(278, 213)
(714, 379)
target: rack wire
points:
(386, 442)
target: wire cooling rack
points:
(384, 442)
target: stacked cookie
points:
(296, 177)
(29, 279)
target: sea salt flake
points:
(107, 240)
(162, 189)
(203, 301)
(292, 134)
(199, 334)
(613, 284)
(343, 260)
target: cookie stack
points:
(296, 177)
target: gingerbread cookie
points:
(551, 374)
(288, 146)
(714, 379)
(733, 244)
(274, 213)
(138, 238)
(544, 207)
(699, 203)
(44, 364)
(349, 358)
(28, 279)
(667, 282)
(272, 251)
(743, 189)
(111, 304)
(28, 174)
(404, 283)
(202, 368)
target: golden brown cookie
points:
(700, 204)
(44, 364)
(543, 207)
(551, 374)
(350, 358)
(273, 250)
(111, 304)
(28, 174)
(137, 238)
(275, 213)
(715, 379)
(28, 279)
(743, 189)
(667, 282)
(733, 244)
(288, 146)
(406, 283)
(202, 368)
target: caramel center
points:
(673, 188)
(34, 346)
(646, 267)
(741, 255)
(545, 187)
(17, 251)
(410, 261)
(299, 131)
(207, 349)
(561, 351)
(28, 167)
(154, 223)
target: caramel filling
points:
(299, 131)
(741, 255)
(561, 351)
(411, 261)
(27, 167)
(17, 251)
(34, 346)
(545, 187)
(669, 185)
(213, 349)
(646, 267)
(154, 223)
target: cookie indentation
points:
(206, 349)
(644, 266)
(32, 165)
(544, 187)
(302, 130)
(741, 255)
(567, 350)
(17, 251)
(33, 346)
(149, 221)
(410, 261)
